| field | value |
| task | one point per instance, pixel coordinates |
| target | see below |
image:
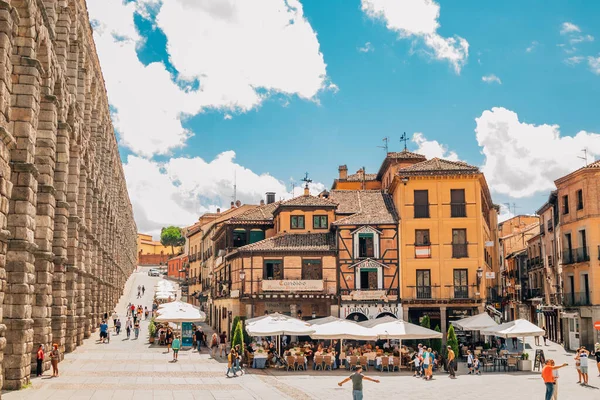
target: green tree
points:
(426, 323)
(436, 344)
(452, 341)
(171, 236)
(238, 335)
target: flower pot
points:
(525, 365)
(151, 339)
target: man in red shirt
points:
(548, 377)
(40, 360)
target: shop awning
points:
(475, 323)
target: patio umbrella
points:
(519, 328)
(276, 325)
(179, 315)
(475, 323)
(392, 328)
(337, 328)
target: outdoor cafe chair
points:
(291, 363)
(329, 362)
(511, 363)
(300, 362)
(353, 362)
(363, 362)
(396, 364)
(318, 361)
(385, 363)
(477, 352)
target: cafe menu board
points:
(539, 360)
(186, 334)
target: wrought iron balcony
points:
(423, 292)
(421, 210)
(461, 292)
(571, 299)
(458, 210)
(460, 250)
(542, 229)
(582, 254)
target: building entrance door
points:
(573, 333)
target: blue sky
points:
(541, 60)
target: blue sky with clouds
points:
(264, 90)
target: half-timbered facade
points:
(366, 230)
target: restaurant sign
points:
(292, 285)
(370, 311)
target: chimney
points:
(306, 191)
(238, 203)
(218, 210)
(270, 197)
(232, 204)
(343, 170)
(361, 174)
(262, 202)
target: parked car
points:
(153, 272)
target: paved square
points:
(133, 369)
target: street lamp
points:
(242, 278)
(479, 275)
(405, 180)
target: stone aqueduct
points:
(67, 235)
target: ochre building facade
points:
(67, 235)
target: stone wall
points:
(67, 235)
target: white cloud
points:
(574, 60)
(418, 19)
(242, 47)
(491, 78)
(568, 27)
(581, 38)
(505, 213)
(521, 159)
(594, 63)
(178, 191)
(367, 48)
(432, 148)
(532, 47)
(227, 116)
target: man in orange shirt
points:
(548, 377)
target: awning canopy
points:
(179, 314)
(276, 325)
(392, 328)
(515, 329)
(475, 322)
(337, 328)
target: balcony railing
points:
(422, 251)
(421, 210)
(542, 229)
(423, 292)
(538, 292)
(577, 299)
(459, 250)
(389, 292)
(461, 292)
(458, 210)
(582, 254)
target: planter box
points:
(525, 365)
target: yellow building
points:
(448, 236)
(152, 252)
(579, 209)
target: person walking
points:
(54, 358)
(118, 326)
(583, 364)
(222, 344)
(136, 329)
(230, 362)
(451, 361)
(114, 318)
(597, 354)
(128, 327)
(103, 331)
(214, 344)
(143, 290)
(357, 383)
(176, 345)
(470, 361)
(169, 338)
(40, 360)
(578, 365)
(237, 366)
(545, 336)
(548, 377)
(198, 336)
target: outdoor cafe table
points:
(378, 360)
(260, 360)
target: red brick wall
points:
(152, 259)
(174, 265)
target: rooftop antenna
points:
(306, 180)
(584, 158)
(293, 185)
(385, 144)
(234, 186)
(404, 139)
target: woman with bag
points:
(214, 344)
(54, 358)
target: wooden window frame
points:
(318, 217)
(265, 262)
(308, 261)
(580, 203)
(297, 220)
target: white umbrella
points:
(392, 328)
(515, 329)
(337, 328)
(179, 315)
(278, 324)
(176, 304)
(475, 323)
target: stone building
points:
(152, 252)
(67, 235)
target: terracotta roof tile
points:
(294, 242)
(437, 166)
(405, 154)
(358, 177)
(307, 201)
(262, 213)
(368, 207)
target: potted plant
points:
(524, 364)
(151, 331)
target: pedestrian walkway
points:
(133, 369)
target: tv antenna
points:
(234, 186)
(584, 158)
(385, 144)
(293, 185)
(404, 139)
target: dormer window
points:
(366, 243)
(297, 222)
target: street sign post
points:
(597, 325)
